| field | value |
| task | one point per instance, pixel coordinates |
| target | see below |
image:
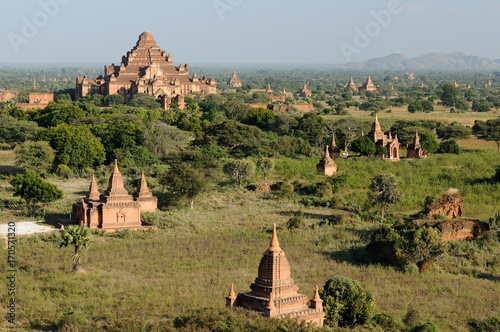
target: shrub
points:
(346, 303)
(485, 325)
(296, 221)
(450, 146)
(33, 189)
(427, 327)
(387, 322)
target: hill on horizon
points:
(436, 60)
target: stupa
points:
(274, 293)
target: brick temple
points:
(274, 293)
(415, 150)
(115, 209)
(326, 165)
(234, 81)
(146, 69)
(380, 139)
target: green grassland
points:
(132, 280)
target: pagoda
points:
(368, 86)
(335, 150)
(234, 81)
(305, 92)
(380, 139)
(145, 69)
(351, 85)
(326, 165)
(115, 209)
(415, 150)
(274, 293)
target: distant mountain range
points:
(455, 60)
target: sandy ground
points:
(25, 228)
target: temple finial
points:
(231, 292)
(270, 304)
(316, 294)
(116, 166)
(274, 240)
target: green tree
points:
(448, 94)
(75, 147)
(450, 146)
(488, 131)
(144, 100)
(381, 151)
(58, 113)
(384, 192)
(265, 166)
(363, 145)
(428, 142)
(17, 131)
(30, 187)
(461, 104)
(415, 106)
(346, 303)
(469, 95)
(428, 106)
(454, 130)
(239, 170)
(259, 117)
(185, 181)
(350, 129)
(80, 237)
(481, 105)
(38, 155)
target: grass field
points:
(132, 279)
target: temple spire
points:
(274, 245)
(334, 144)
(316, 294)
(270, 304)
(143, 185)
(93, 190)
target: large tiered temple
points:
(274, 293)
(115, 209)
(145, 69)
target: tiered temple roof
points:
(234, 81)
(274, 293)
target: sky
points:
(246, 31)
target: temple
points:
(326, 165)
(334, 149)
(415, 150)
(115, 209)
(281, 98)
(351, 85)
(368, 86)
(274, 293)
(305, 92)
(145, 69)
(234, 81)
(380, 139)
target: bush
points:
(296, 221)
(346, 303)
(33, 189)
(387, 322)
(485, 325)
(427, 327)
(450, 146)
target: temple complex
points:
(145, 69)
(7, 95)
(368, 86)
(115, 209)
(305, 92)
(234, 81)
(274, 293)
(415, 150)
(380, 139)
(281, 98)
(326, 165)
(37, 100)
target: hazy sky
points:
(246, 31)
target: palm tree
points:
(80, 237)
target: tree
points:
(428, 106)
(161, 138)
(415, 106)
(363, 145)
(30, 187)
(384, 192)
(448, 94)
(381, 151)
(488, 131)
(480, 105)
(185, 181)
(346, 303)
(428, 142)
(265, 165)
(75, 147)
(239, 170)
(18, 131)
(461, 104)
(38, 155)
(454, 130)
(144, 100)
(350, 128)
(259, 117)
(450, 146)
(80, 237)
(58, 113)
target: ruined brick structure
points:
(326, 165)
(305, 92)
(145, 69)
(380, 139)
(281, 98)
(415, 150)
(234, 81)
(274, 293)
(410, 76)
(115, 209)
(450, 204)
(37, 100)
(7, 95)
